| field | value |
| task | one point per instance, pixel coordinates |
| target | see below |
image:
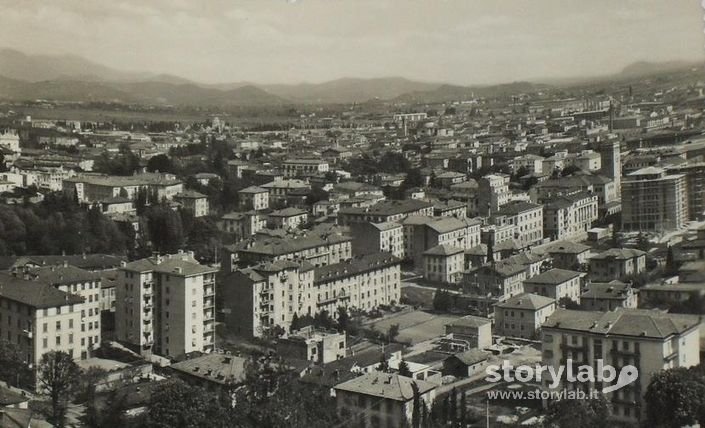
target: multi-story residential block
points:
(450, 208)
(649, 340)
(196, 202)
(652, 200)
(471, 331)
(96, 188)
(446, 179)
(86, 285)
(569, 217)
(608, 296)
(280, 189)
(568, 254)
(166, 305)
(492, 193)
(385, 211)
(556, 284)
(370, 238)
(616, 263)
(287, 218)
(611, 163)
(493, 283)
(384, 400)
(39, 318)
(260, 298)
(443, 264)
(605, 189)
(253, 198)
(523, 315)
(695, 187)
(526, 217)
(422, 233)
(304, 167)
(532, 164)
(320, 250)
(242, 224)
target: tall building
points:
(654, 201)
(268, 296)
(611, 162)
(166, 305)
(86, 285)
(695, 187)
(39, 318)
(649, 340)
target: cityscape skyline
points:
(312, 42)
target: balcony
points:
(28, 333)
(209, 302)
(209, 292)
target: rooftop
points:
(385, 385)
(443, 250)
(526, 301)
(553, 277)
(214, 367)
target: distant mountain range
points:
(73, 78)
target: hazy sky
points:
(278, 41)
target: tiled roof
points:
(470, 321)
(385, 385)
(56, 275)
(443, 250)
(553, 277)
(567, 247)
(619, 254)
(34, 293)
(214, 367)
(390, 207)
(253, 189)
(517, 207)
(623, 322)
(470, 357)
(354, 266)
(616, 290)
(526, 301)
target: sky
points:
(292, 41)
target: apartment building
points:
(378, 238)
(253, 198)
(608, 296)
(604, 187)
(443, 264)
(650, 340)
(86, 285)
(493, 283)
(287, 218)
(39, 318)
(450, 208)
(319, 250)
(304, 167)
(383, 400)
(267, 296)
(96, 188)
(569, 217)
(556, 284)
(492, 193)
(532, 164)
(385, 211)
(523, 315)
(526, 217)
(568, 254)
(166, 305)
(616, 263)
(242, 224)
(695, 187)
(654, 201)
(279, 189)
(422, 233)
(353, 189)
(196, 202)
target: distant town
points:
(355, 263)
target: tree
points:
(453, 405)
(393, 332)
(176, 404)
(294, 323)
(13, 369)
(568, 303)
(343, 318)
(383, 365)
(587, 413)
(676, 398)
(404, 369)
(416, 404)
(160, 163)
(442, 301)
(57, 375)
(671, 267)
(642, 242)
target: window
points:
(58, 325)
(58, 340)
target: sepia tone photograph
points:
(352, 213)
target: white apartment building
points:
(649, 340)
(526, 217)
(166, 305)
(523, 315)
(569, 217)
(444, 264)
(652, 200)
(268, 296)
(304, 167)
(39, 318)
(86, 285)
(253, 198)
(385, 237)
(556, 284)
